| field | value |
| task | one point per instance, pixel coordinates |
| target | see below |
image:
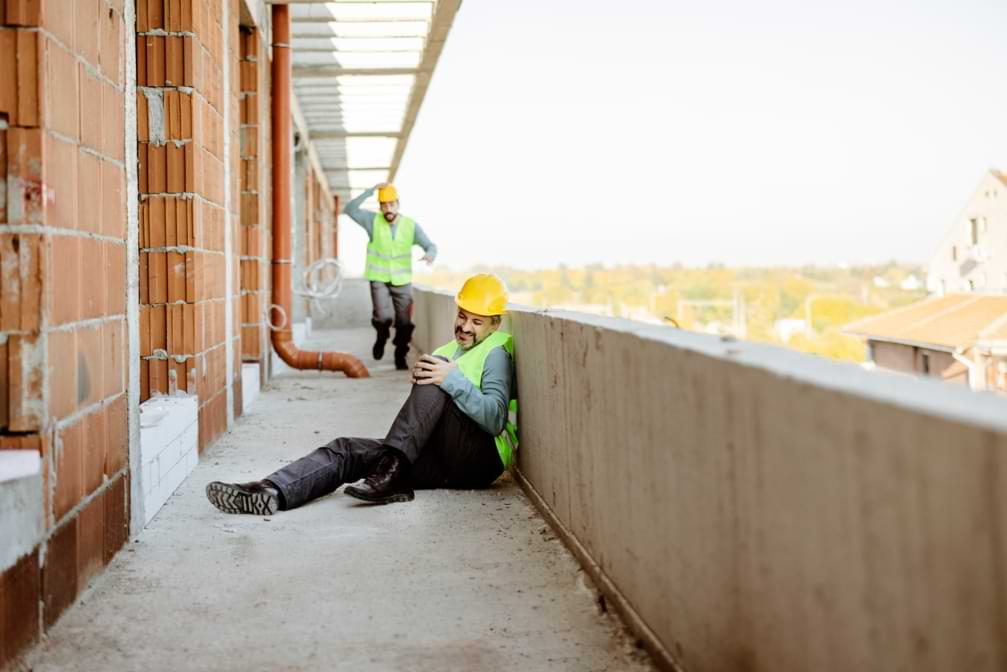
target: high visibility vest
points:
(390, 259)
(471, 365)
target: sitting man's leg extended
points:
(431, 444)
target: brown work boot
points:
(388, 482)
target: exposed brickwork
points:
(180, 110)
(253, 261)
(63, 293)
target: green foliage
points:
(836, 296)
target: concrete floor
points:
(457, 580)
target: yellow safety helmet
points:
(387, 194)
(483, 294)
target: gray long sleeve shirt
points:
(486, 406)
(365, 218)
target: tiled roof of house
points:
(951, 322)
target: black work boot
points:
(259, 498)
(403, 335)
(388, 482)
(383, 329)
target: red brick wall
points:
(62, 293)
(253, 260)
(180, 61)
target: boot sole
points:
(230, 499)
(380, 499)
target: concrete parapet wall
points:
(753, 508)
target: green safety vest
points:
(390, 259)
(471, 365)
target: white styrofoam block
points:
(250, 385)
(168, 434)
(19, 464)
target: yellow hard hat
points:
(387, 194)
(483, 294)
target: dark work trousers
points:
(445, 448)
(391, 301)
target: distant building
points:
(960, 338)
(788, 328)
(973, 255)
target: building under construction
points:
(170, 177)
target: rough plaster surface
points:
(457, 580)
(762, 509)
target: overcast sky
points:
(756, 133)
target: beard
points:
(462, 337)
(389, 216)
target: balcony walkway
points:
(457, 580)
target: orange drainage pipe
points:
(283, 337)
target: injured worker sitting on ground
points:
(457, 428)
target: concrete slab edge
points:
(613, 596)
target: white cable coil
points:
(313, 287)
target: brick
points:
(8, 73)
(23, 13)
(174, 62)
(25, 382)
(171, 120)
(177, 376)
(192, 277)
(110, 45)
(86, 29)
(172, 16)
(189, 168)
(90, 120)
(113, 202)
(92, 267)
(144, 279)
(62, 92)
(90, 366)
(182, 222)
(58, 17)
(189, 327)
(176, 329)
(60, 185)
(28, 58)
(158, 329)
(175, 180)
(185, 101)
(59, 575)
(90, 541)
(113, 352)
(117, 430)
(176, 276)
(158, 276)
(20, 594)
(156, 236)
(157, 163)
(171, 205)
(144, 380)
(192, 62)
(69, 462)
(93, 451)
(145, 350)
(142, 17)
(115, 278)
(158, 376)
(155, 13)
(116, 505)
(62, 369)
(155, 60)
(113, 132)
(141, 59)
(22, 262)
(186, 15)
(64, 274)
(89, 197)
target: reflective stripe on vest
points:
(471, 365)
(390, 259)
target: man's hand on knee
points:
(430, 370)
